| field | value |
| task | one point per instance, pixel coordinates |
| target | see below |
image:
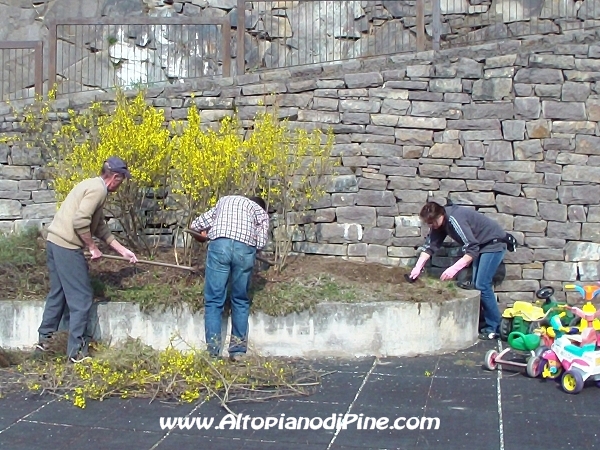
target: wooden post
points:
(39, 68)
(226, 46)
(421, 25)
(52, 55)
(241, 33)
(436, 24)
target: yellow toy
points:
(523, 317)
(588, 313)
(530, 346)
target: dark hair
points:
(259, 201)
(431, 212)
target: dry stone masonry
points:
(278, 33)
(510, 129)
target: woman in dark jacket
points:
(484, 244)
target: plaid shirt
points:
(235, 217)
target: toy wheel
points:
(534, 367)
(490, 360)
(553, 376)
(545, 292)
(505, 328)
(540, 350)
(572, 381)
(598, 383)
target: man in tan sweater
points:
(79, 218)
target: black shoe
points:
(487, 336)
(40, 350)
(214, 359)
(465, 285)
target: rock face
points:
(288, 33)
(523, 150)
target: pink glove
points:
(451, 271)
(130, 255)
(414, 274)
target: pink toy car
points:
(576, 356)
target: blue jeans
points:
(228, 262)
(484, 269)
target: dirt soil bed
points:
(304, 282)
(366, 277)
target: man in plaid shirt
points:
(237, 227)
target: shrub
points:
(205, 163)
(21, 256)
(286, 166)
(183, 170)
(135, 132)
(290, 167)
(20, 249)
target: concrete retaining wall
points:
(333, 329)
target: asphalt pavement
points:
(426, 402)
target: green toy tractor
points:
(525, 317)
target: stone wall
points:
(277, 34)
(508, 128)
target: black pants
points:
(69, 286)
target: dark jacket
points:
(469, 228)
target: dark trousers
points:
(69, 286)
(92, 329)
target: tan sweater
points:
(81, 212)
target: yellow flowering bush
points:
(289, 167)
(135, 132)
(34, 124)
(206, 163)
(185, 167)
(285, 166)
(77, 148)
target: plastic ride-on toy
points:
(546, 293)
(523, 317)
(578, 359)
(530, 346)
(549, 366)
(526, 317)
(587, 316)
(573, 357)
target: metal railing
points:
(273, 34)
(86, 54)
(468, 22)
(21, 74)
(290, 33)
